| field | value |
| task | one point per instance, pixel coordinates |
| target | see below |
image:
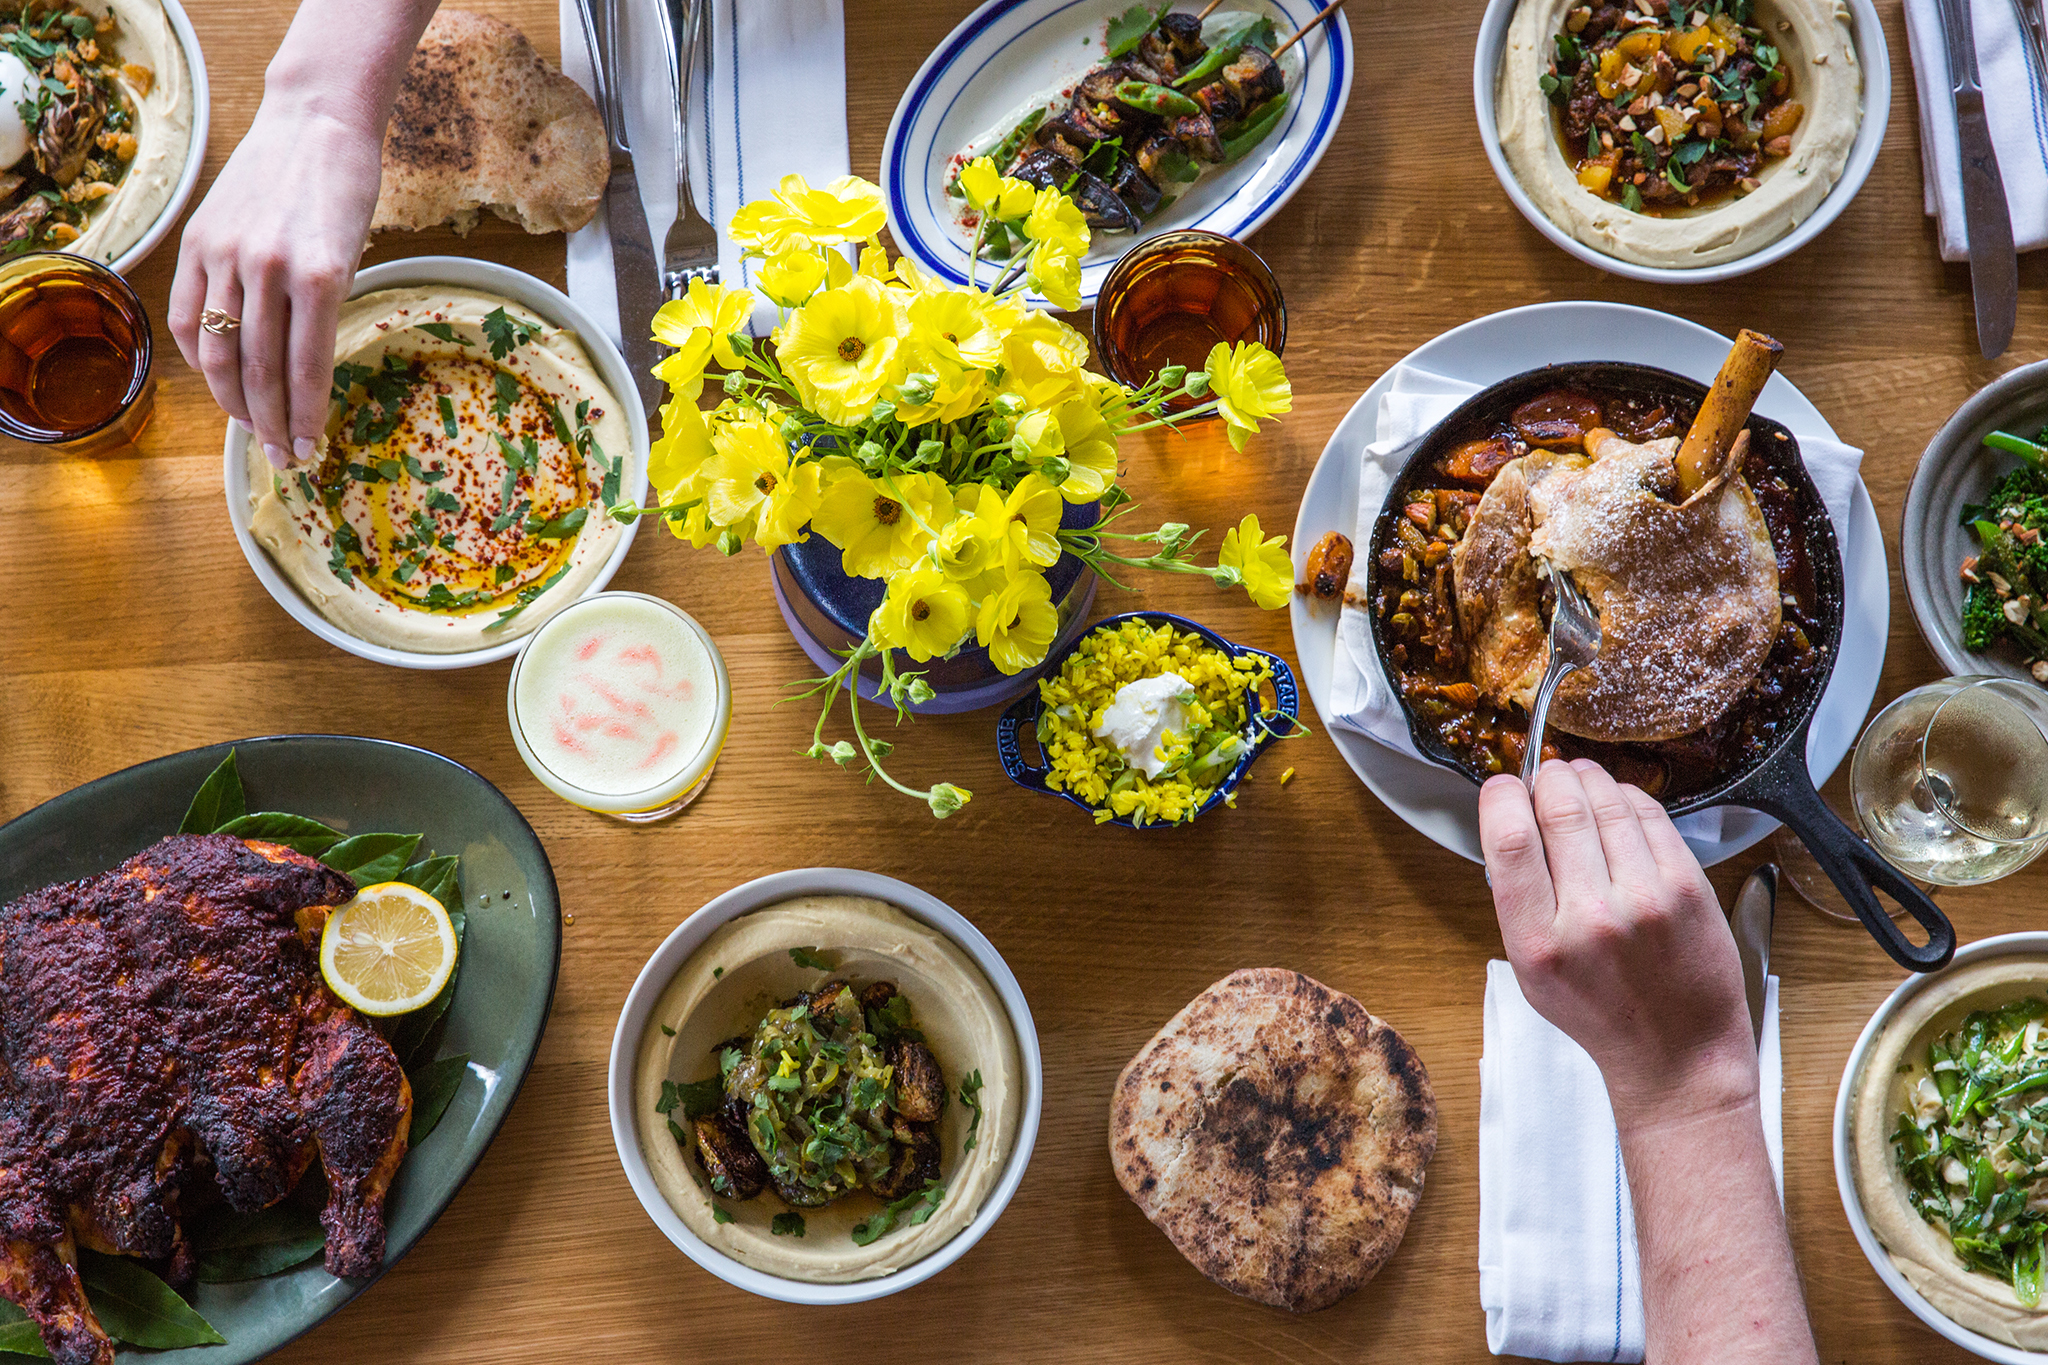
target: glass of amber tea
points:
(74, 352)
(1175, 296)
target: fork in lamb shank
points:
(164, 1029)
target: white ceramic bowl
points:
(523, 289)
(669, 958)
(195, 153)
(1877, 102)
(2033, 944)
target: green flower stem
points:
(847, 677)
(1201, 410)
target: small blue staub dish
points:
(1264, 721)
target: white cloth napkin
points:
(2015, 105)
(1558, 1273)
(769, 99)
(1361, 697)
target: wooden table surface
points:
(133, 628)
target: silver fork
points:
(690, 251)
(1574, 643)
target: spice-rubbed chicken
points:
(165, 1041)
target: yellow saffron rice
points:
(1095, 770)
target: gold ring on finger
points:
(219, 322)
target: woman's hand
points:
(275, 243)
(1616, 937)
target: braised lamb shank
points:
(166, 1041)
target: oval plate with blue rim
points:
(1260, 728)
(1010, 52)
(511, 951)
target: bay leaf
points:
(372, 858)
(247, 1246)
(433, 1086)
(138, 1308)
(218, 800)
(296, 832)
(19, 1336)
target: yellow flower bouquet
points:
(933, 434)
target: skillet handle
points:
(1010, 742)
(1784, 788)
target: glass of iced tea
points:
(1173, 297)
(74, 351)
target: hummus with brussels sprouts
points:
(96, 111)
(828, 1090)
(1676, 135)
(1950, 1134)
(461, 493)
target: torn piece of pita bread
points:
(483, 122)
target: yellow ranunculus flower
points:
(719, 310)
(959, 391)
(1111, 399)
(964, 550)
(874, 263)
(1055, 220)
(753, 480)
(790, 278)
(847, 210)
(768, 226)
(1025, 525)
(924, 613)
(1016, 623)
(1265, 565)
(957, 325)
(1090, 448)
(1039, 437)
(676, 458)
(840, 349)
(990, 192)
(1043, 357)
(695, 526)
(1056, 273)
(878, 529)
(683, 368)
(1250, 386)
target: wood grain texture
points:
(133, 628)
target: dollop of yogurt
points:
(1142, 715)
(17, 83)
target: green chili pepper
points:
(1253, 130)
(2017, 445)
(1154, 99)
(1227, 37)
(1944, 1081)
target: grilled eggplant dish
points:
(1176, 97)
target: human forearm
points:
(1719, 1282)
(380, 34)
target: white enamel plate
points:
(1008, 53)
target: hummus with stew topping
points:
(1678, 135)
(461, 495)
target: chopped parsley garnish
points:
(920, 1205)
(560, 528)
(528, 595)
(421, 472)
(808, 957)
(505, 391)
(506, 333)
(893, 1019)
(510, 516)
(695, 1098)
(337, 563)
(306, 489)
(665, 1029)
(442, 331)
(447, 425)
(719, 1215)
(787, 1225)
(970, 1095)
(441, 500)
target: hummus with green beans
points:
(1951, 1141)
(462, 488)
(828, 1090)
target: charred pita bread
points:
(1687, 592)
(483, 122)
(1277, 1134)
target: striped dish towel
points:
(770, 99)
(2015, 104)
(1558, 1274)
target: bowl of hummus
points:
(103, 118)
(1681, 143)
(1941, 1147)
(481, 430)
(825, 1086)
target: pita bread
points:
(1277, 1134)
(1687, 592)
(483, 122)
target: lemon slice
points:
(389, 950)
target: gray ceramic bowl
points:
(1959, 468)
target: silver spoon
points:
(1574, 643)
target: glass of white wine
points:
(1950, 785)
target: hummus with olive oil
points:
(743, 970)
(461, 496)
(1891, 1073)
(1814, 42)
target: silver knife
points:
(1994, 265)
(1755, 909)
(633, 266)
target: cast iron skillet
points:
(1779, 784)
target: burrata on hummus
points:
(1678, 135)
(1947, 1129)
(96, 112)
(463, 487)
(796, 1024)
